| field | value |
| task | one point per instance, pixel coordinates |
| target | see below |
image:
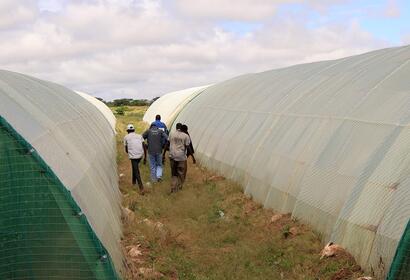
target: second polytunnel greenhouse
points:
(328, 142)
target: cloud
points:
(225, 9)
(14, 13)
(246, 10)
(142, 49)
(392, 9)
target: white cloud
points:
(16, 12)
(234, 10)
(392, 9)
(138, 49)
(247, 10)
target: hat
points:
(130, 127)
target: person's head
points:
(184, 128)
(178, 126)
(158, 117)
(130, 128)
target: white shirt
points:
(134, 143)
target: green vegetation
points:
(120, 110)
(210, 230)
(128, 102)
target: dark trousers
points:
(136, 172)
(178, 174)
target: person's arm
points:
(191, 150)
(187, 142)
(145, 152)
(164, 152)
(166, 147)
(145, 137)
(164, 139)
(126, 146)
(166, 129)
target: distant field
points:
(210, 230)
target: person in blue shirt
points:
(158, 123)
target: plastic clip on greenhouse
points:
(59, 197)
(328, 142)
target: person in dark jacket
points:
(156, 139)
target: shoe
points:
(159, 180)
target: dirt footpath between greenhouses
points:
(211, 230)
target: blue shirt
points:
(161, 126)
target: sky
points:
(145, 48)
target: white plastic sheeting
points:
(107, 113)
(75, 139)
(328, 142)
(169, 105)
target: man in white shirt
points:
(135, 148)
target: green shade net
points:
(400, 267)
(43, 233)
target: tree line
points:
(127, 102)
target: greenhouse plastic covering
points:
(60, 203)
(328, 142)
(169, 105)
(109, 116)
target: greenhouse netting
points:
(60, 203)
(328, 142)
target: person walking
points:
(158, 123)
(156, 139)
(135, 148)
(178, 144)
(190, 150)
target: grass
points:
(210, 230)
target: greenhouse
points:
(328, 142)
(60, 203)
(169, 105)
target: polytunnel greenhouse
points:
(59, 197)
(328, 142)
(169, 105)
